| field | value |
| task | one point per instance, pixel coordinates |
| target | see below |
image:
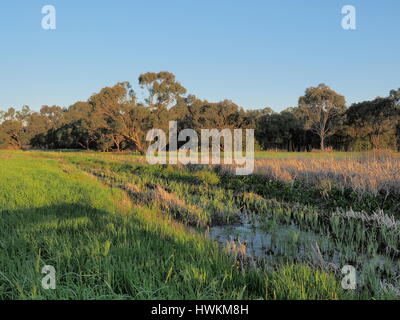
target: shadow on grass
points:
(99, 254)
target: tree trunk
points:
(136, 141)
(322, 142)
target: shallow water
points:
(284, 241)
(278, 243)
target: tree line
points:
(115, 119)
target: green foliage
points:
(373, 124)
(207, 177)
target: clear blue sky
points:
(256, 52)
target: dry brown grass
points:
(362, 175)
(238, 251)
(371, 173)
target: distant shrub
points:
(207, 177)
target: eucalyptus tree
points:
(323, 109)
(13, 128)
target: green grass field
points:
(116, 228)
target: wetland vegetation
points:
(115, 227)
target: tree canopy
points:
(115, 120)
